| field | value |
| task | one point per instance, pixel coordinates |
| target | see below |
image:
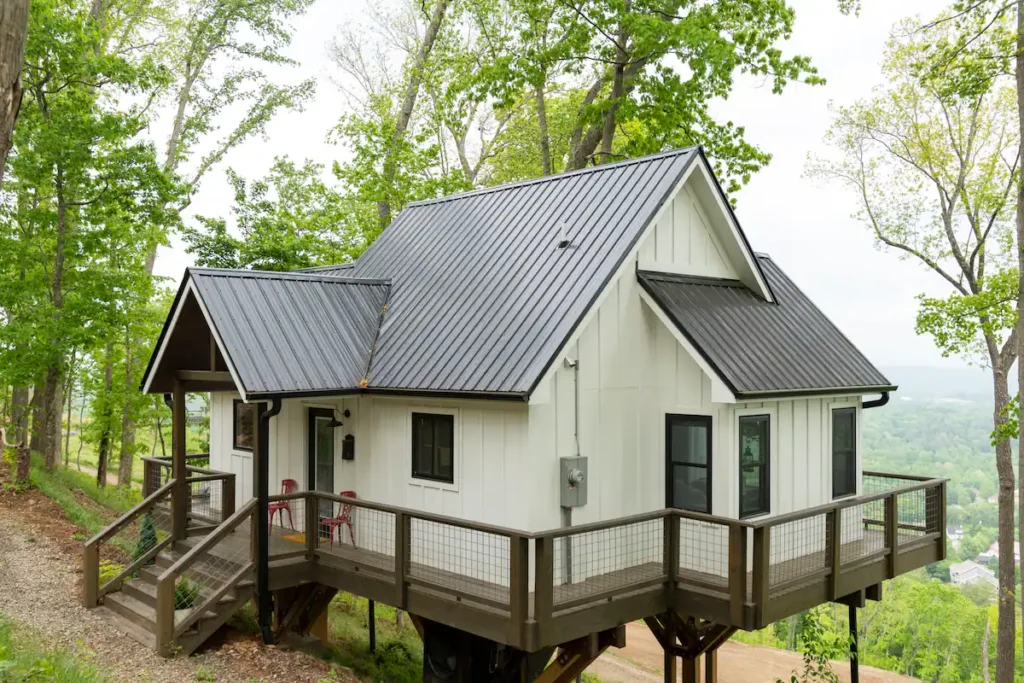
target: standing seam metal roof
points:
(482, 297)
(292, 332)
(761, 348)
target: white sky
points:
(805, 226)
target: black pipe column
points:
(261, 484)
(854, 664)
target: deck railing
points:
(540, 583)
(211, 493)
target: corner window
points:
(844, 452)
(688, 446)
(244, 422)
(433, 453)
(754, 458)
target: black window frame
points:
(449, 420)
(851, 468)
(234, 425)
(764, 463)
(670, 465)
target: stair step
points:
(136, 611)
(142, 590)
(129, 628)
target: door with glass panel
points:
(688, 462)
(321, 456)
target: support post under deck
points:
(854, 664)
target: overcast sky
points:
(805, 226)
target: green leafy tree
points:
(933, 170)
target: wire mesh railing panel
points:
(286, 520)
(798, 549)
(134, 541)
(703, 551)
(360, 533)
(467, 561)
(593, 562)
(862, 530)
(917, 514)
(222, 563)
(880, 483)
(206, 499)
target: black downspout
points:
(877, 403)
(262, 486)
(854, 664)
(169, 401)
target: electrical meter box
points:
(573, 477)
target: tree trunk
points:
(1020, 267)
(412, 91)
(124, 468)
(13, 32)
(22, 467)
(52, 411)
(618, 85)
(984, 650)
(81, 433)
(69, 389)
(104, 451)
(542, 126)
(19, 414)
(1007, 627)
(38, 434)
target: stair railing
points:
(130, 536)
(187, 590)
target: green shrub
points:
(147, 537)
(186, 594)
(108, 570)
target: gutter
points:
(876, 403)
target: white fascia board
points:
(720, 392)
(191, 291)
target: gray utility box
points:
(573, 477)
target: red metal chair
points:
(282, 506)
(344, 517)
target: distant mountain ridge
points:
(922, 383)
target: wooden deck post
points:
(854, 664)
(91, 574)
(165, 617)
(737, 572)
(518, 589)
(941, 502)
(834, 535)
(179, 494)
(402, 531)
(312, 524)
(892, 534)
(711, 666)
(543, 584)
(227, 497)
(671, 560)
(762, 572)
(671, 661)
(690, 669)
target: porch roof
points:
(275, 333)
(759, 348)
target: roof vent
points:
(563, 240)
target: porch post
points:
(854, 664)
(261, 492)
(179, 493)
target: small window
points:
(244, 420)
(754, 458)
(688, 446)
(844, 452)
(433, 453)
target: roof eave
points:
(813, 391)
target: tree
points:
(934, 169)
(13, 31)
(290, 219)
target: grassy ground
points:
(21, 659)
(399, 655)
(143, 437)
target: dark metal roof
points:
(293, 332)
(482, 296)
(338, 269)
(760, 348)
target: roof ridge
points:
(286, 275)
(333, 266)
(555, 176)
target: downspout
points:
(262, 486)
(876, 403)
(169, 401)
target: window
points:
(245, 419)
(844, 452)
(688, 454)
(754, 489)
(433, 454)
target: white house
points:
(970, 572)
(554, 406)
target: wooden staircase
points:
(133, 608)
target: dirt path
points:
(641, 661)
(40, 585)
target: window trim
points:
(670, 466)
(234, 424)
(765, 466)
(421, 479)
(832, 450)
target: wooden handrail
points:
(127, 517)
(890, 475)
(209, 541)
